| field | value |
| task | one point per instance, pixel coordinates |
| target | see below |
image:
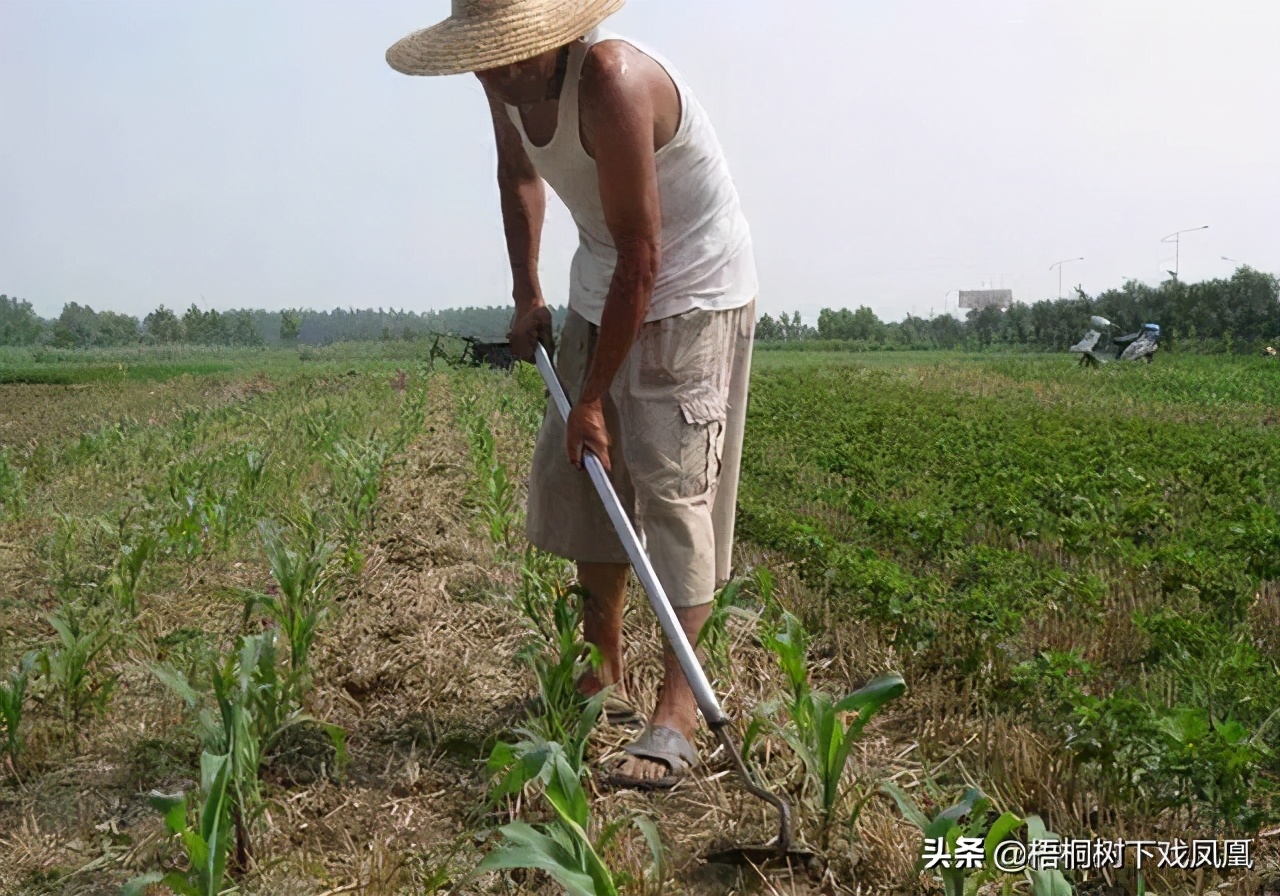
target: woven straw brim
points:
(519, 32)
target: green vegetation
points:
(971, 817)
(1076, 573)
(13, 693)
(993, 521)
(72, 669)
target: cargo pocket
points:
(702, 444)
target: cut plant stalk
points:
(703, 693)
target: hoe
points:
(706, 697)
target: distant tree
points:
(19, 324)
(290, 326)
(845, 324)
(946, 332)
(198, 326)
(116, 329)
(76, 327)
(768, 329)
(240, 328)
(162, 326)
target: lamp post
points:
(1233, 260)
(1058, 265)
(1177, 245)
(944, 299)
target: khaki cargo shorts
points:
(675, 417)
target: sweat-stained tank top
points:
(706, 255)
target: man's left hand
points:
(586, 431)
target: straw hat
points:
(483, 34)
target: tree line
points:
(1239, 311)
(80, 326)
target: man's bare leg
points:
(676, 707)
(606, 587)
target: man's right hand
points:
(531, 325)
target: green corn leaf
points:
(564, 792)
(64, 631)
(1000, 829)
(906, 805)
(1045, 883)
(174, 809)
(176, 682)
(337, 737)
(873, 695)
(528, 847)
(960, 809)
(650, 832)
(180, 885)
(595, 866)
(215, 820)
(138, 886)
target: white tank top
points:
(706, 255)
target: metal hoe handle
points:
(698, 683)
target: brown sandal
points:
(660, 744)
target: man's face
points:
(521, 82)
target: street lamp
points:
(1177, 245)
(1058, 265)
(944, 299)
(1233, 260)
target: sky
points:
(260, 153)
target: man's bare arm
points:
(524, 205)
(618, 120)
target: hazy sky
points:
(260, 153)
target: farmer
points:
(656, 349)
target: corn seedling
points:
(713, 640)
(412, 413)
(360, 467)
(494, 497)
(498, 505)
(217, 518)
(186, 529)
(321, 425)
(128, 570)
(252, 471)
(12, 694)
(562, 848)
(969, 818)
(817, 729)
(300, 604)
(512, 766)
(70, 669)
(11, 494)
(206, 844)
(558, 666)
(253, 705)
(542, 577)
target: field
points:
(292, 586)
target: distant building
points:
(985, 298)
